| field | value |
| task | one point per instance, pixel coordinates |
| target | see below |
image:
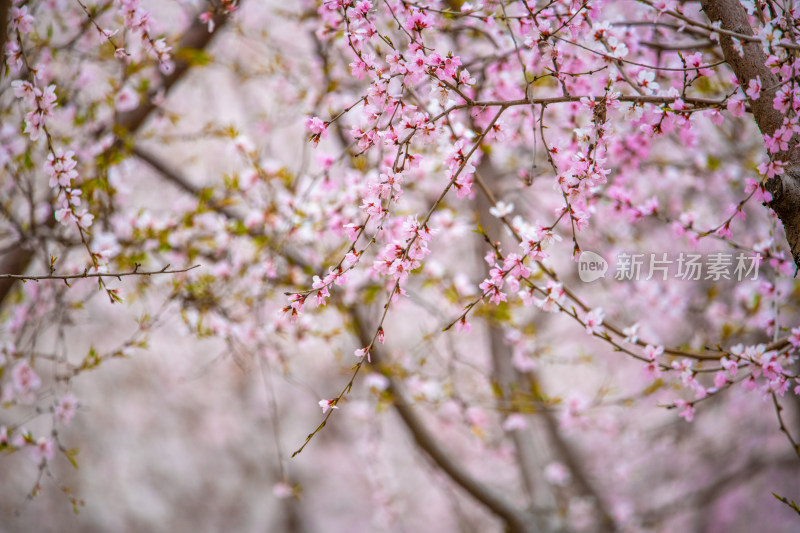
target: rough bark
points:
(785, 189)
(4, 7)
(14, 262)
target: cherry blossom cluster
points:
(436, 138)
(139, 22)
(60, 166)
(580, 166)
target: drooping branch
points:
(785, 189)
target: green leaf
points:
(371, 292)
(194, 57)
(70, 455)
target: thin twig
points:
(87, 274)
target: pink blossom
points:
(652, 370)
(554, 299)
(477, 417)
(501, 209)
(771, 168)
(24, 90)
(376, 381)
(34, 124)
(317, 127)
(327, 405)
(730, 365)
(24, 378)
(736, 106)
(281, 490)
(66, 408)
(42, 449)
(618, 49)
(714, 116)
(418, 21)
(631, 333)
(686, 410)
(593, 321)
(754, 88)
(514, 422)
(126, 100)
(557, 474)
(208, 18)
(463, 325)
(21, 21)
(779, 140)
(61, 167)
(652, 352)
(794, 338)
(646, 81)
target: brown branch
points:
(196, 37)
(87, 274)
(575, 465)
(4, 8)
(527, 448)
(178, 180)
(670, 47)
(517, 520)
(509, 378)
(782, 424)
(728, 32)
(785, 189)
(15, 261)
(167, 173)
(704, 497)
(791, 503)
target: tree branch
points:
(4, 7)
(528, 449)
(15, 261)
(785, 189)
(87, 274)
(196, 37)
(704, 497)
(517, 520)
(508, 377)
(182, 183)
